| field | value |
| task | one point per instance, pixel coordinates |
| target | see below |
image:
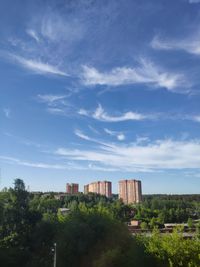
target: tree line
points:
(93, 234)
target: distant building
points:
(86, 189)
(72, 188)
(174, 225)
(100, 187)
(135, 223)
(64, 211)
(130, 191)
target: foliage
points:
(173, 248)
(159, 209)
(94, 233)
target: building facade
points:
(86, 189)
(100, 187)
(72, 188)
(130, 191)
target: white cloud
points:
(92, 129)
(55, 104)
(7, 112)
(195, 118)
(119, 135)
(37, 66)
(190, 45)
(158, 155)
(51, 99)
(56, 111)
(33, 34)
(194, 1)
(83, 112)
(67, 166)
(58, 28)
(101, 115)
(142, 139)
(82, 135)
(146, 73)
(32, 164)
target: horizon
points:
(103, 90)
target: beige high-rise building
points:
(100, 187)
(130, 191)
(86, 189)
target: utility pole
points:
(54, 261)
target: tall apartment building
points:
(130, 191)
(71, 188)
(86, 189)
(100, 187)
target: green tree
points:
(174, 249)
(190, 223)
(144, 225)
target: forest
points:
(95, 232)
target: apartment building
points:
(130, 191)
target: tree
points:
(190, 223)
(144, 226)
(174, 249)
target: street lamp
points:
(54, 257)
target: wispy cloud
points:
(146, 73)
(195, 118)
(67, 166)
(37, 66)
(119, 135)
(142, 140)
(194, 1)
(158, 155)
(7, 112)
(82, 135)
(93, 129)
(190, 45)
(51, 99)
(58, 28)
(23, 140)
(40, 165)
(101, 115)
(57, 111)
(33, 34)
(55, 104)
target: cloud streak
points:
(195, 118)
(67, 166)
(37, 66)
(82, 135)
(55, 104)
(156, 156)
(189, 45)
(51, 99)
(194, 1)
(101, 115)
(40, 165)
(119, 135)
(33, 34)
(146, 73)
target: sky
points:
(100, 90)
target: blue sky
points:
(100, 90)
